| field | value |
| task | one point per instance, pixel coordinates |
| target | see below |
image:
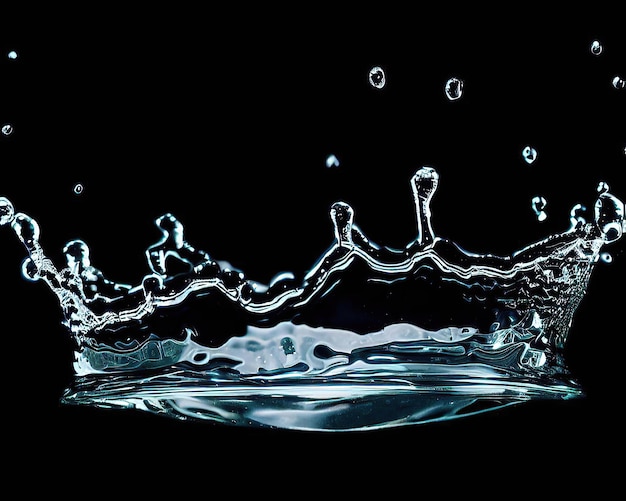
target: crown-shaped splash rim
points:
(432, 330)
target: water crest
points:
(369, 337)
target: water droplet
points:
(78, 188)
(29, 270)
(538, 204)
(596, 48)
(26, 229)
(332, 161)
(12, 54)
(377, 77)
(7, 129)
(454, 88)
(575, 215)
(6, 211)
(609, 214)
(619, 82)
(605, 257)
(530, 154)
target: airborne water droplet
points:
(539, 203)
(7, 129)
(619, 82)
(596, 48)
(377, 77)
(12, 54)
(29, 270)
(605, 257)
(454, 88)
(575, 215)
(78, 188)
(332, 161)
(530, 154)
(6, 211)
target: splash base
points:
(354, 401)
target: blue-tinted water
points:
(370, 337)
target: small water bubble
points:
(575, 215)
(619, 82)
(26, 229)
(332, 161)
(29, 270)
(377, 77)
(603, 187)
(78, 188)
(6, 211)
(605, 257)
(7, 129)
(12, 54)
(288, 346)
(577, 210)
(530, 154)
(538, 204)
(454, 88)
(596, 48)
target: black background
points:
(226, 119)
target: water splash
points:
(370, 337)
(377, 77)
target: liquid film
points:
(369, 337)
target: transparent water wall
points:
(369, 337)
